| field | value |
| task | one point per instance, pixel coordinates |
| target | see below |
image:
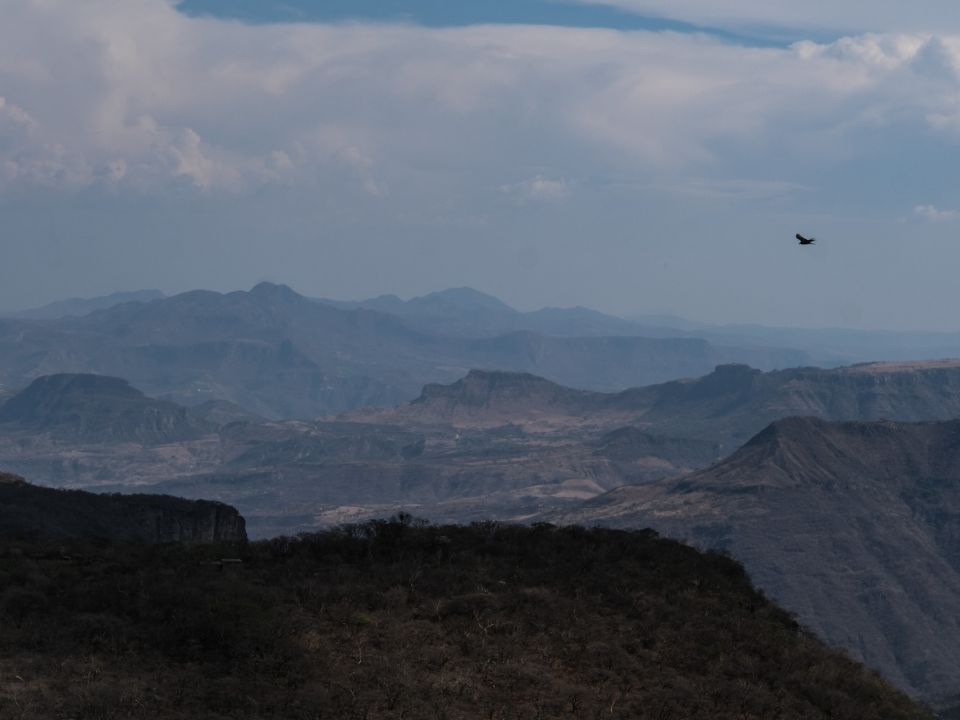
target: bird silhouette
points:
(805, 241)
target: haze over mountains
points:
(84, 306)
(862, 515)
(280, 370)
(469, 313)
(281, 355)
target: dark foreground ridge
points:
(28, 511)
(395, 619)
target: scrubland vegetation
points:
(396, 619)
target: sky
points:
(635, 156)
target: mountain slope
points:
(852, 526)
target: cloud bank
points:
(363, 158)
(131, 93)
(935, 214)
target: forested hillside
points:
(395, 619)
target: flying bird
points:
(806, 241)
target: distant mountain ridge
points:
(852, 526)
(85, 306)
(281, 355)
(728, 405)
(469, 313)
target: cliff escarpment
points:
(31, 512)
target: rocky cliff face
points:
(29, 511)
(492, 398)
(855, 527)
(161, 519)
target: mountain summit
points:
(95, 408)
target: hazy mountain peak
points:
(465, 298)
(274, 291)
(53, 399)
(387, 298)
(486, 388)
(484, 383)
(784, 432)
(786, 427)
(96, 407)
(62, 384)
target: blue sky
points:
(430, 12)
(443, 13)
(630, 155)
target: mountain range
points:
(468, 313)
(492, 444)
(281, 355)
(847, 517)
(382, 350)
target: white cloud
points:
(539, 189)
(132, 94)
(933, 214)
(733, 189)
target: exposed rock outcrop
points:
(32, 512)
